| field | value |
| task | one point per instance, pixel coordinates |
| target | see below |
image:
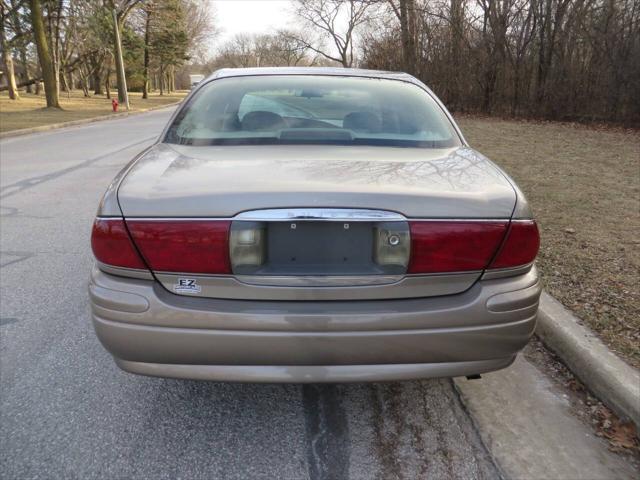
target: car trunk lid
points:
(316, 254)
(222, 181)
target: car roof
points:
(327, 71)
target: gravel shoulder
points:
(583, 184)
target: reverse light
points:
(391, 245)
(247, 246)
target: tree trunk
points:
(84, 81)
(516, 90)
(25, 66)
(97, 82)
(22, 45)
(107, 84)
(407, 11)
(7, 60)
(44, 56)
(145, 73)
(62, 82)
(9, 72)
(65, 85)
(55, 45)
(456, 38)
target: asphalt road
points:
(68, 412)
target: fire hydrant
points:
(114, 105)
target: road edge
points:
(83, 121)
(613, 381)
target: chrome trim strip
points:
(230, 287)
(506, 272)
(168, 219)
(237, 218)
(319, 214)
(140, 273)
(475, 220)
(319, 281)
(303, 277)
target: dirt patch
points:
(583, 184)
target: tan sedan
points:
(306, 225)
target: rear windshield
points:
(294, 109)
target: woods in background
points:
(553, 59)
(86, 44)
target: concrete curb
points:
(84, 121)
(613, 381)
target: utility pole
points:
(123, 95)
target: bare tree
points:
(200, 28)
(46, 62)
(406, 13)
(7, 58)
(264, 50)
(335, 21)
(289, 50)
(22, 36)
(557, 59)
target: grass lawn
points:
(584, 187)
(30, 110)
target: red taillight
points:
(521, 245)
(452, 246)
(186, 246)
(111, 244)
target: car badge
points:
(187, 285)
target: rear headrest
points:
(362, 122)
(262, 120)
(226, 122)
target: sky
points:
(250, 16)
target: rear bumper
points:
(314, 373)
(153, 332)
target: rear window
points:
(286, 109)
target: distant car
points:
(194, 80)
(313, 225)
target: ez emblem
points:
(187, 285)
